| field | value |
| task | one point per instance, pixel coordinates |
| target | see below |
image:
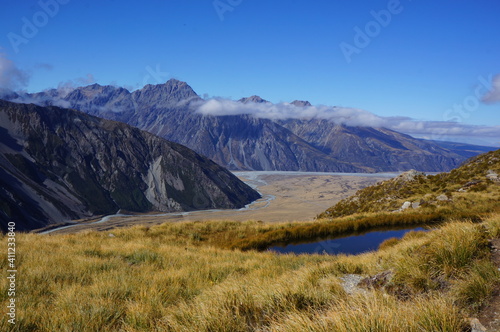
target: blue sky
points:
(429, 61)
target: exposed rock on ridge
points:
(244, 142)
(58, 164)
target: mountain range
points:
(58, 164)
(248, 142)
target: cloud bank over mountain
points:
(282, 111)
(13, 78)
(435, 130)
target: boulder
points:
(493, 176)
(409, 175)
(442, 198)
(476, 325)
(405, 206)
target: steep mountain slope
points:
(246, 142)
(474, 186)
(239, 142)
(242, 142)
(58, 164)
(465, 150)
(378, 148)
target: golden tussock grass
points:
(177, 277)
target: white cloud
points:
(51, 97)
(436, 130)
(11, 77)
(440, 130)
(343, 115)
(493, 96)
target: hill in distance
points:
(58, 164)
(246, 142)
(474, 186)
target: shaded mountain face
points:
(465, 150)
(58, 164)
(244, 142)
(377, 148)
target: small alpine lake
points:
(349, 245)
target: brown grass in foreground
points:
(174, 277)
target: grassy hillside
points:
(146, 279)
(472, 187)
(203, 276)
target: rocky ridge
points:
(58, 164)
(246, 142)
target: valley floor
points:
(287, 196)
(216, 275)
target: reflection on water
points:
(351, 245)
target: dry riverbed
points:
(287, 196)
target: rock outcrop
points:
(246, 142)
(58, 164)
(415, 190)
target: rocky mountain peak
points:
(175, 82)
(94, 86)
(171, 92)
(237, 141)
(301, 103)
(91, 91)
(58, 164)
(253, 99)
